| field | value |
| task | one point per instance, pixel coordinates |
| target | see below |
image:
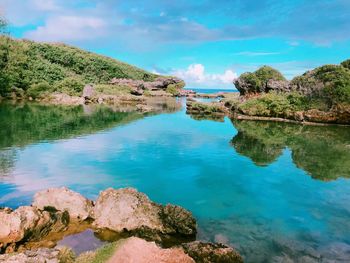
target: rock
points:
(88, 92)
(262, 80)
(138, 250)
(42, 255)
(129, 211)
(160, 83)
(177, 220)
(63, 199)
(211, 253)
(277, 85)
(29, 223)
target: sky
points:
(207, 43)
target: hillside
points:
(28, 65)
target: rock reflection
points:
(321, 151)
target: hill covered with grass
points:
(32, 67)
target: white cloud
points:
(196, 76)
(69, 28)
(45, 5)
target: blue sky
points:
(208, 43)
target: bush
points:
(266, 73)
(39, 90)
(172, 89)
(274, 104)
(70, 86)
(346, 64)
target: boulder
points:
(88, 91)
(138, 250)
(29, 223)
(129, 211)
(211, 253)
(63, 199)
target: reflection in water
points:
(24, 124)
(322, 151)
(272, 212)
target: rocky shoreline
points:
(123, 214)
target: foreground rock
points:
(28, 224)
(211, 253)
(63, 199)
(42, 255)
(205, 110)
(138, 250)
(128, 211)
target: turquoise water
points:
(274, 191)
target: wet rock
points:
(138, 250)
(127, 210)
(211, 253)
(63, 199)
(28, 223)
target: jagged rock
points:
(29, 223)
(211, 253)
(264, 79)
(277, 85)
(138, 250)
(63, 199)
(160, 83)
(88, 92)
(127, 210)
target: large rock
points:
(138, 250)
(63, 199)
(129, 211)
(211, 253)
(88, 91)
(29, 223)
(264, 79)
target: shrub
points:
(346, 64)
(70, 86)
(172, 89)
(39, 90)
(265, 73)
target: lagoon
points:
(275, 191)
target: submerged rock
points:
(211, 253)
(127, 210)
(63, 199)
(138, 250)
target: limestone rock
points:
(88, 91)
(138, 250)
(211, 253)
(127, 210)
(42, 255)
(29, 223)
(63, 199)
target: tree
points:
(4, 53)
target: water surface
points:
(275, 191)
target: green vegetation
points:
(322, 151)
(256, 82)
(101, 255)
(32, 66)
(274, 104)
(346, 64)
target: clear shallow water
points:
(275, 191)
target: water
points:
(275, 191)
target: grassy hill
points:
(32, 66)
